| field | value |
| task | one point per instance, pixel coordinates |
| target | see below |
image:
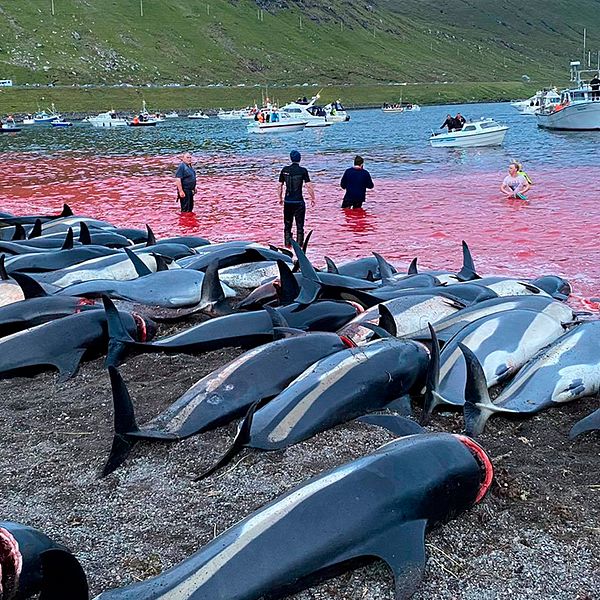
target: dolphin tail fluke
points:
(85, 236)
(306, 267)
(309, 292)
(68, 243)
(412, 268)
(589, 423)
(478, 407)
(151, 240)
(66, 211)
(3, 273)
(125, 423)
(432, 381)
(386, 271)
(118, 336)
(63, 577)
(36, 231)
(138, 264)
(19, 233)
(386, 320)
(468, 272)
(29, 286)
(331, 266)
(241, 439)
(288, 285)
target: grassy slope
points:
(341, 40)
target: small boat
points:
(475, 134)
(537, 101)
(392, 108)
(141, 121)
(276, 121)
(232, 115)
(42, 117)
(315, 116)
(198, 115)
(412, 108)
(61, 123)
(107, 119)
(172, 115)
(9, 128)
(336, 113)
(578, 109)
(28, 120)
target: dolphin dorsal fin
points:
(151, 241)
(412, 268)
(68, 243)
(36, 230)
(140, 267)
(84, 234)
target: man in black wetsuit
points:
(356, 181)
(450, 123)
(186, 183)
(294, 177)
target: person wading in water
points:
(186, 183)
(356, 181)
(294, 177)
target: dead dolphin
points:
(506, 286)
(502, 342)
(31, 563)
(466, 273)
(338, 388)
(31, 219)
(64, 342)
(376, 507)
(361, 268)
(55, 260)
(222, 395)
(564, 371)
(556, 286)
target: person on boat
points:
(185, 177)
(595, 85)
(293, 177)
(514, 185)
(459, 121)
(450, 123)
(136, 121)
(356, 181)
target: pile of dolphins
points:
(358, 340)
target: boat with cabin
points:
(274, 120)
(9, 125)
(61, 123)
(198, 115)
(315, 116)
(172, 115)
(107, 119)
(336, 113)
(474, 134)
(578, 109)
(42, 117)
(28, 120)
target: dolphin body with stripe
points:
(336, 389)
(31, 563)
(63, 343)
(564, 371)
(9, 219)
(502, 342)
(506, 286)
(221, 396)
(58, 259)
(376, 507)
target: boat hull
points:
(574, 117)
(474, 140)
(276, 128)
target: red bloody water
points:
(556, 232)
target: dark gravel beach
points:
(535, 536)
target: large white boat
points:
(275, 121)
(107, 119)
(336, 112)
(475, 134)
(579, 107)
(315, 116)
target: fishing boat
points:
(275, 121)
(61, 123)
(42, 117)
(336, 113)
(172, 115)
(578, 109)
(107, 119)
(198, 115)
(475, 134)
(315, 116)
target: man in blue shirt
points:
(293, 177)
(356, 181)
(186, 183)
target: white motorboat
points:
(542, 99)
(276, 121)
(336, 112)
(315, 116)
(412, 108)
(172, 115)
(28, 120)
(475, 134)
(42, 116)
(61, 123)
(198, 115)
(107, 119)
(9, 126)
(232, 115)
(578, 109)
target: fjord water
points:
(426, 200)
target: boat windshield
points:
(488, 125)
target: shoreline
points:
(70, 100)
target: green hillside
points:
(266, 41)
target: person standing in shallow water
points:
(356, 181)
(186, 183)
(293, 177)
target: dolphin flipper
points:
(589, 423)
(63, 577)
(399, 426)
(68, 364)
(309, 292)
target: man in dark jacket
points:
(186, 183)
(356, 181)
(595, 85)
(293, 177)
